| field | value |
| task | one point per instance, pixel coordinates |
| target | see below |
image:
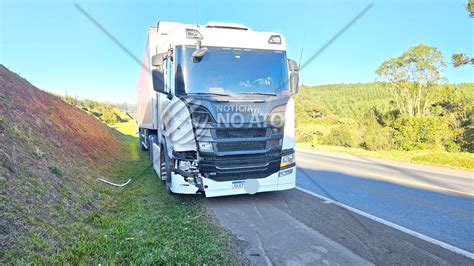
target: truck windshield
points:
(226, 71)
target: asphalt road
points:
(294, 227)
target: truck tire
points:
(165, 169)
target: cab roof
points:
(214, 34)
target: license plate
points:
(238, 184)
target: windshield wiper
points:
(259, 93)
(208, 93)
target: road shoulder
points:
(275, 236)
(295, 227)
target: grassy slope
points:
(50, 156)
(353, 101)
(164, 228)
(142, 223)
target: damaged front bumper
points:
(281, 180)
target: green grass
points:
(128, 128)
(56, 171)
(146, 224)
(140, 223)
(458, 160)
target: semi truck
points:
(215, 108)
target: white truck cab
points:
(215, 108)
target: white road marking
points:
(393, 225)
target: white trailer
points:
(215, 108)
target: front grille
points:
(275, 142)
(223, 133)
(223, 178)
(237, 167)
(240, 169)
(248, 158)
(242, 153)
(241, 146)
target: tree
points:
(470, 8)
(461, 59)
(412, 79)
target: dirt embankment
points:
(50, 155)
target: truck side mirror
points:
(199, 52)
(158, 80)
(294, 76)
(157, 60)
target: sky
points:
(56, 48)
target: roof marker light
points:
(193, 34)
(274, 39)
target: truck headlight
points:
(205, 146)
(287, 160)
(184, 165)
(277, 116)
